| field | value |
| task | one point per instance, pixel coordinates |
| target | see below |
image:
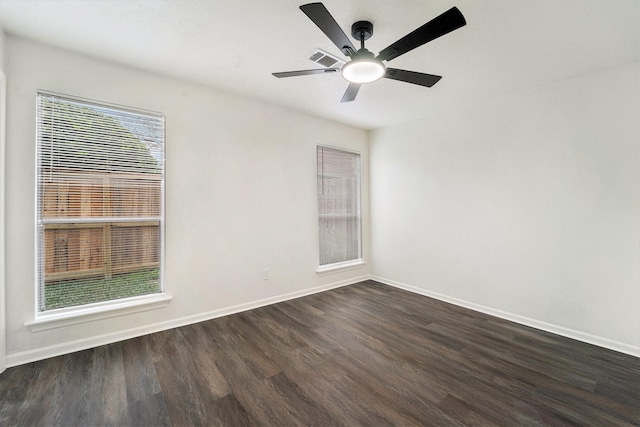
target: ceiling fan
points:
(364, 66)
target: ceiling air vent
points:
(325, 59)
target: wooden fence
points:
(99, 224)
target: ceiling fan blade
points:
(351, 92)
(323, 19)
(305, 72)
(414, 77)
(450, 20)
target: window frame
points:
(357, 262)
(65, 316)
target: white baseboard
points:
(549, 327)
(28, 356)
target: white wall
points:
(3, 351)
(240, 196)
(527, 206)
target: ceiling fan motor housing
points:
(362, 30)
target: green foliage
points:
(86, 291)
(79, 137)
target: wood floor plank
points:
(242, 338)
(231, 412)
(306, 369)
(366, 354)
(107, 400)
(39, 385)
(204, 364)
(149, 410)
(251, 392)
(139, 370)
(187, 395)
(302, 409)
(72, 387)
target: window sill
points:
(340, 267)
(62, 319)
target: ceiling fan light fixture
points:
(363, 70)
(364, 66)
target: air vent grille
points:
(317, 56)
(325, 59)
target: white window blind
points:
(338, 205)
(100, 209)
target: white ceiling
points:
(507, 46)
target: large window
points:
(100, 210)
(339, 205)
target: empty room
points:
(342, 213)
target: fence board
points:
(75, 250)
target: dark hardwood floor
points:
(366, 354)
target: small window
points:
(100, 202)
(339, 205)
